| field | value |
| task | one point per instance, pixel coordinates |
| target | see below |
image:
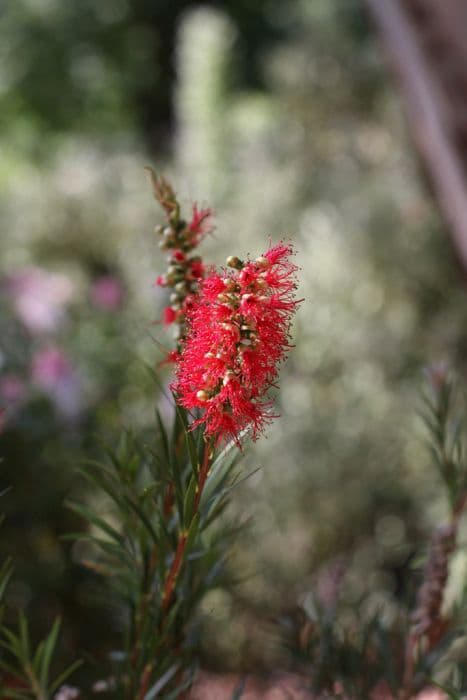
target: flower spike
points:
(238, 333)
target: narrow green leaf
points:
(192, 532)
(23, 629)
(452, 694)
(163, 435)
(144, 519)
(189, 440)
(5, 576)
(99, 481)
(63, 676)
(13, 648)
(94, 519)
(215, 511)
(37, 660)
(49, 649)
(8, 668)
(165, 535)
(11, 694)
(189, 501)
(123, 555)
(219, 472)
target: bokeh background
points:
(283, 117)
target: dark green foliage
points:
(148, 506)
(334, 654)
(455, 693)
(26, 671)
(108, 66)
(443, 414)
(29, 670)
(406, 653)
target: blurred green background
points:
(282, 116)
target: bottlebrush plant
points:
(370, 659)
(161, 544)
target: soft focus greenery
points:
(285, 121)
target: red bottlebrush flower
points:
(238, 333)
(171, 357)
(169, 315)
(200, 222)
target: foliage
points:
(70, 67)
(28, 669)
(152, 491)
(349, 646)
(340, 658)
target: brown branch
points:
(428, 118)
(180, 551)
(145, 680)
(174, 572)
(427, 621)
(203, 474)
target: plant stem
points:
(180, 551)
(174, 571)
(427, 623)
(144, 685)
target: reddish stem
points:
(168, 501)
(180, 551)
(144, 685)
(203, 475)
(415, 636)
(174, 572)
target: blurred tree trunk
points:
(427, 43)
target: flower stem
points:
(177, 563)
(174, 572)
(426, 620)
(203, 474)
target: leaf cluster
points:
(443, 416)
(149, 501)
(341, 658)
(27, 670)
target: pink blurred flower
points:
(39, 298)
(52, 371)
(12, 394)
(66, 692)
(12, 389)
(50, 366)
(107, 293)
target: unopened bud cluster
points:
(183, 275)
(184, 270)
